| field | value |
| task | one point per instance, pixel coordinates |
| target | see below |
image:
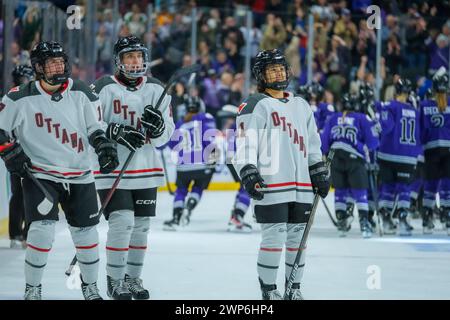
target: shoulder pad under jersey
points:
(22, 91)
(250, 103)
(79, 85)
(100, 83)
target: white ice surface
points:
(203, 261)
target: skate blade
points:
(239, 230)
(169, 228)
(367, 235)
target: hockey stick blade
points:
(46, 205)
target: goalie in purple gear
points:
(397, 157)
(194, 143)
(435, 137)
(350, 132)
(242, 199)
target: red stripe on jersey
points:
(295, 249)
(61, 173)
(136, 171)
(241, 106)
(287, 184)
(6, 146)
(38, 249)
(138, 248)
(271, 249)
(87, 247)
(116, 249)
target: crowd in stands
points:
(415, 41)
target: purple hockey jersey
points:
(350, 133)
(435, 125)
(193, 141)
(400, 133)
(322, 112)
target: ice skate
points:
(366, 228)
(33, 292)
(237, 224)
(90, 291)
(174, 223)
(344, 222)
(270, 292)
(117, 289)
(388, 225)
(404, 228)
(427, 221)
(136, 288)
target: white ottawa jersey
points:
(53, 130)
(279, 137)
(124, 105)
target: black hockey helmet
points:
(192, 104)
(129, 44)
(440, 81)
(403, 86)
(22, 73)
(350, 102)
(316, 91)
(45, 50)
(264, 59)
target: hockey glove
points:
(125, 135)
(320, 179)
(15, 159)
(106, 151)
(153, 121)
(250, 178)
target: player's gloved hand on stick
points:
(106, 151)
(153, 121)
(15, 158)
(320, 179)
(125, 135)
(250, 178)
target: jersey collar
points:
(140, 84)
(54, 96)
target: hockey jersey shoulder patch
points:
(81, 86)
(249, 105)
(99, 84)
(22, 91)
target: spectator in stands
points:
(346, 29)
(415, 51)
(394, 58)
(231, 31)
(221, 63)
(439, 51)
(135, 20)
(32, 25)
(274, 34)
(208, 92)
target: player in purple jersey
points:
(193, 140)
(397, 157)
(242, 199)
(314, 93)
(350, 132)
(435, 137)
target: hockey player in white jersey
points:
(279, 160)
(127, 99)
(53, 121)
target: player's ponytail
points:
(441, 100)
(188, 116)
